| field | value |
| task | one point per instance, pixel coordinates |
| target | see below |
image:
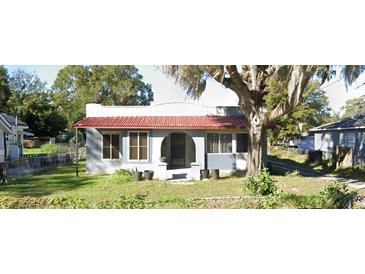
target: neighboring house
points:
(349, 132)
(14, 139)
(5, 130)
(304, 142)
(190, 137)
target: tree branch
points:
(298, 81)
(241, 89)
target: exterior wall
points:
(2, 146)
(227, 161)
(174, 109)
(306, 143)
(15, 144)
(326, 141)
(95, 163)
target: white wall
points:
(168, 109)
(2, 149)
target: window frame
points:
(111, 133)
(138, 147)
(234, 139)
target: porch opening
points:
(179, 150)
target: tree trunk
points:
(257, 149)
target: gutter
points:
(338, 128)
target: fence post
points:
(77, 153)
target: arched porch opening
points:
(179, 150)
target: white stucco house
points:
(173, 139)
(11, 137)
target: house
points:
(5, 130)
(13, 140)
(173, 139)
(304, 142)
(347, 133)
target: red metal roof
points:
(164, 122)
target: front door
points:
(177, 150)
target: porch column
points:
(234, 143)
(200, 149)
(194, 172)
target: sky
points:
(166, 90)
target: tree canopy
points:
(31, 102)
(354, 107)
(312, 110)
(5, 92)
(252, 84)
(76, 86)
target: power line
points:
(332, 83)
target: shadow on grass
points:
(307, 169)
(49, 182)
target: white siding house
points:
(178, 136)
(348, 132)
(5, 130)
(12, 139)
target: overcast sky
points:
(165, 89)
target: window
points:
(225, 143)
(242, 142)
(219, 143)
(138, 146)
(350, 139)
(213, 143)
(111, 146)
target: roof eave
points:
(146, 127)
(338, 128)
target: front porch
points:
(178, 174)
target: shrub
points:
(262, 185)
(136, 201)
(291, 200)
(71, 202)
(124, 175)
(173, 202)
(338, 195)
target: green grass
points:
(297, 160)
(288, 155)
(62, 182)
(47, 149)
(356, 172)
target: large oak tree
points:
(252, 83)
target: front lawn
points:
(295, 160)
(98, 189)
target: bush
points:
(338, 195)
(125, 175)
(136, 201)
(262, 185)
